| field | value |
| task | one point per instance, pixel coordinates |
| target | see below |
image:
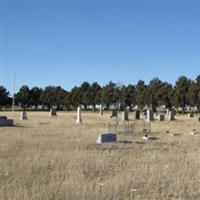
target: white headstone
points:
(190, 115)
(79, 120)
(150, 115)
(23, 115)
(171, 115)
(125, 116)
(52, 112)
(100, 110)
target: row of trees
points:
(185, 92)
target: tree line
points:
(185, 92)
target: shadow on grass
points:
(20, 126)
(125, 142)
(43, 123)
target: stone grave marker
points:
(161, 118)
(23, 115)
(100, 110)
(6, 122)
(150, 115)
(52, 112)
(171, 115)
(190, 115)
(155, 116)
(114, 113)
(79, 119)
(107, 137)
(125, 116)
(137, 115)
(167, 112)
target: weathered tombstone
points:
(137, 115)
(171, 115)
(107, 137)
(114, 113)
(79, 120)
(190, 115)
(161, 118)
(23, 115)
(150, 115)
(100, 110)
(52, 112)
(125, 116)
(6, 122)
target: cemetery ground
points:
(54, 158)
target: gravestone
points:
(79, 120)
(52, 112)
(155, 116)
(190, 115)
(125, 116)
(161, 118)
(114, 113)
(167, 112)
(150, 115)
(6, 122)
(23, 115)
(101, 110)
(107, 137)
(137, 115)
(171, 115)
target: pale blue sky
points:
(68, 42)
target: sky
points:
(66, 42)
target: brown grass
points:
(46, 158)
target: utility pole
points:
(13, 102)
(1, 40)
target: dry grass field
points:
(45, 158)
